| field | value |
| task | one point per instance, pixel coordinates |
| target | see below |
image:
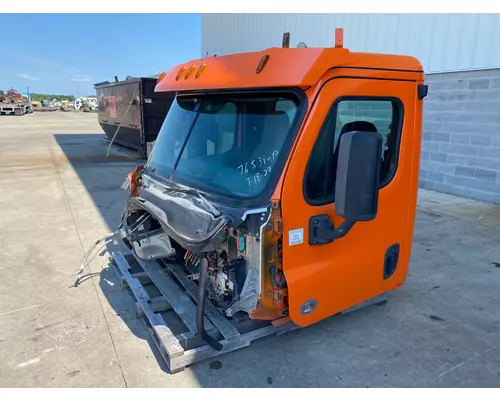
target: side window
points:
(373, 115)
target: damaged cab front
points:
(205, 193)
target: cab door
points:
(372, 258)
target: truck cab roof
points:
(277, 67)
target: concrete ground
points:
(59, 194)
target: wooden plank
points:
(119, 274)
(156, 341)
(186, 339)
(204, 352)
(219, 321)
(167, 339)
(159, 304)
(178, 299)
(142, 277)
(158, 307)
(135, 286)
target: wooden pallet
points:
(176, 299)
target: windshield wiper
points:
(186, 139)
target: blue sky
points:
(67, 53)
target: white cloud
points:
(26, 76)
(81, 78)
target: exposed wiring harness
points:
(106, 238)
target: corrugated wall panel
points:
(442, 42)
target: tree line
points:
(39, 97)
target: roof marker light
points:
(160, 78)
(200, 70)
(180, 73)
(191, 68)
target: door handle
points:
(391, 260)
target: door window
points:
(384, 116)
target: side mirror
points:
(358, 176)
(356, 186)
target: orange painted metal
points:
(339, 37)
(135, 180)
(348, 271)
(281, 321)
(273, 302)
(296, 67)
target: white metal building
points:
(461, 57)
(442, 42)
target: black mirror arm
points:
(334, 234)
(322, 230)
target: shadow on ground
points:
(102, 177)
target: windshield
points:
(224, 144)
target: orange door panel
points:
(328, 278)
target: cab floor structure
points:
(166, 302)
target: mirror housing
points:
(358, 176)
(356, 186)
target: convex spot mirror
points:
(358, 176)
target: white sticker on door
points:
(295, 236)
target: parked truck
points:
(13, 103)
(85, 104)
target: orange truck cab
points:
(284, 181)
